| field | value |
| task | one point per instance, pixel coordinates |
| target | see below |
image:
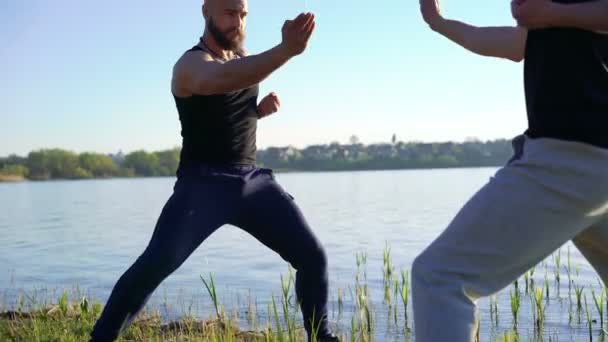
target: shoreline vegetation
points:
(59, 164)
(12, 178)
(525, 311)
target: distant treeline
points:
(61, 164)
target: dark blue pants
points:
(204, 199)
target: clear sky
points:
(94, 75)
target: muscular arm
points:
(200, 74)
(500, 42)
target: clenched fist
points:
(269, 105)
(533, 14)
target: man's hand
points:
(534, 14)
(269, 105)
(297, 33)
(431, 12)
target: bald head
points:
(225, 22)
(212, 6)
(209, 4)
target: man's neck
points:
(209, 43)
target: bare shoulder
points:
(184, 70)
(190, 60)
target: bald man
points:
(215, 87)
(554, 189)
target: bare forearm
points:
(244, 72)
(501, 42)
(592, 16)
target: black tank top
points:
(218, 129)
(566, 81)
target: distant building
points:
(118, 158)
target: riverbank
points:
(11, 179)
(540, 306)
(75, 322)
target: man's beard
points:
(234, 45)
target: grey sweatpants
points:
(551, 192)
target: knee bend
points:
(422, 269)
(429, 271)
(315, 259)
(321, 258)
(418, 267)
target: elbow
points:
(516, 54)
(511, 56)
(517, 58)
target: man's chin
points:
(236, 40)
(236, 46)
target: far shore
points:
(11, 179)
(19, 179)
